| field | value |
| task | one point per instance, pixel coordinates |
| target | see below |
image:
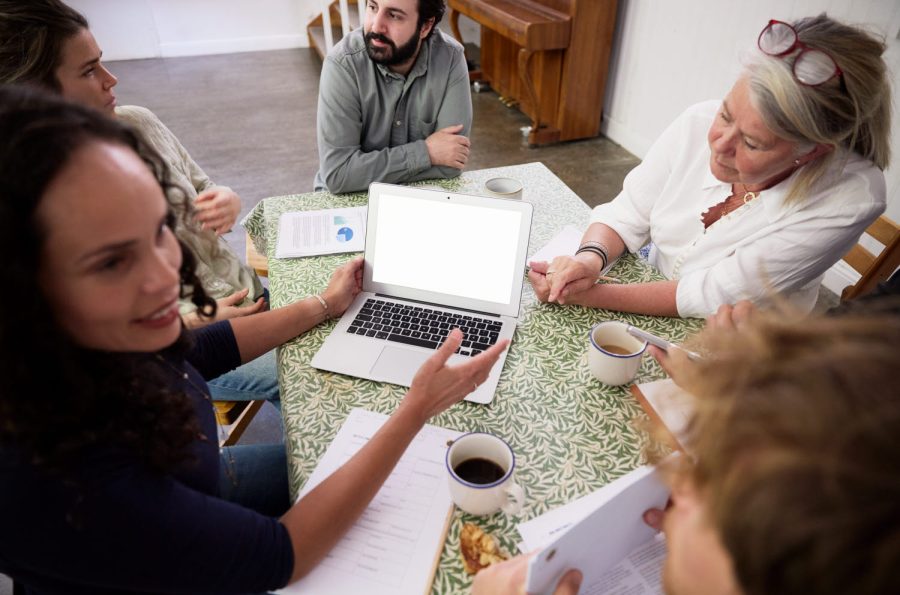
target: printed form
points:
(394, 546)
(330, 231)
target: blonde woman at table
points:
(48, 44)
(793, 486)
(757, 194)
(111, 479)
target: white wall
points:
(669, 55)
(129, 29)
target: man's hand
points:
(730, 317)
(447, 147)
(508, 578)
(217, 209)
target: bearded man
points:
(394, 100)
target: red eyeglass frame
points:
(803, 49)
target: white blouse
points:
(761, 248)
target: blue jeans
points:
(255, 380)
(255, 477)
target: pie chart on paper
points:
(344, 234)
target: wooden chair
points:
(236, 415)
(874, 268)
(256, 260)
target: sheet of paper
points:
(542, 530)
(672, 404)
(595, 543)
(394, 546)
(330, 231)
(565, 243)
(640, 573)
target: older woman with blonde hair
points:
(759, 193)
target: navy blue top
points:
(141, 531)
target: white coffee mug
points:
(480, 469)
(614, 356)
(504, 187)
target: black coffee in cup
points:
(478, 470)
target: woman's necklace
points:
(185, 376)
(733, 202)
(229, 467)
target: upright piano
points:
(549, 56)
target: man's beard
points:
(397, 55)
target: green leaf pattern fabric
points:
(570, 433)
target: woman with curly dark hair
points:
(110, 475)
(49, 45)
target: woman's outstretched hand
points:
(437, 386)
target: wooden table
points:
(571, 434)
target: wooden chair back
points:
(874, 268)
(257, 261)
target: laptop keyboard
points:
(424, 327)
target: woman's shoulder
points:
(137, 116)
(851, 175)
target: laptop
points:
(434, 260)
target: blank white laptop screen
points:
(448, 248)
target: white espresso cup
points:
(480, 469)
(614, 356)
(504, 187)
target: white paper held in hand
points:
(603, 538)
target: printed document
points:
(331, 231)
(603, 535)
(395, 545)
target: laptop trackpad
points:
(397, 365)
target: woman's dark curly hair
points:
(58, 399)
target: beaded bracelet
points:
(600, 245)
(324, 305)
(595, 250)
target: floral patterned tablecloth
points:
(571, 434)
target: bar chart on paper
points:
(393, 546)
